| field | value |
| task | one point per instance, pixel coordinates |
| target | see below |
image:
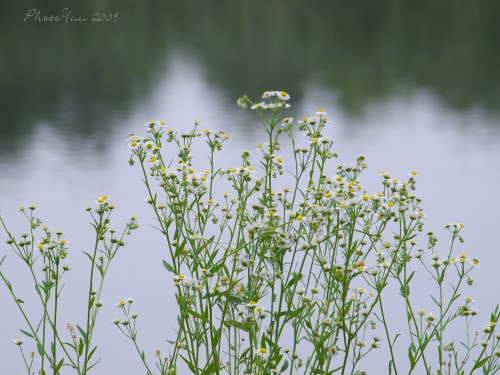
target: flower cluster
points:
(307, 257)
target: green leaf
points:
(92, 353)
(101, 270)
(40, 349)
(294, 313)
(405, 290)
(198, 315)
(211, 369)
(240, 325)
(88, 255)
(168, 266)
(296, 277)
(190, 365)
(480, 363)
(285, 366)
(320, 352)
(411, 358)
(80, 348)
(26, 333)
(317, 371)
(58, 366)
(82, 332)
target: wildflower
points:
(263, 352)
(149, 146)
(287, 121)
(133, 145)
(133, 138)
(251, 304)
(120, 303)
(180, 276)
(312, 121)
(18, 342)
(150, 124)
(153, 161)
(102, 199)
(260, 309)
(475, 262)
(321, 112)
(283, 95)
(241, 102)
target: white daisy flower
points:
(312, 120)
(102, 199)
(283, 95)
(257, 106)
(149, 146)
(268, 94)
(287, 121)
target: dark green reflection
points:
(77, 76)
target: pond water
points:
(410, 86)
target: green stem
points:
(90, 304)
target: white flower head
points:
(149, 146)
(18, 342)
(283, 95)
(287, 121)
(133, 144)
(102, 199)
(263, 352)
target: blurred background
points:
(411, 85)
